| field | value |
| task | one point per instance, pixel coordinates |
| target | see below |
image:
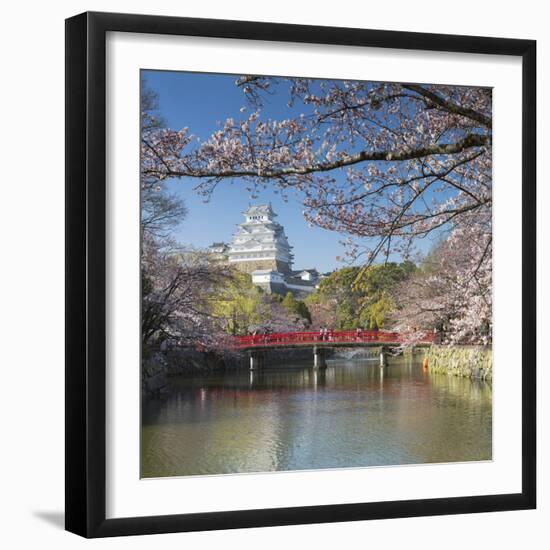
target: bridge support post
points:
(383, 358)
(257, 359)
(319, 358)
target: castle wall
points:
(254, 265)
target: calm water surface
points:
(292, 418)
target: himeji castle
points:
(260, 247)
(260, 242)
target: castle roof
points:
(298, 271)
(260, 209)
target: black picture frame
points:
(86, 274)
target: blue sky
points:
(201, 101)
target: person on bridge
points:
(358, 334)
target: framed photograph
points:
(300, 274)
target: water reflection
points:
(354, 413)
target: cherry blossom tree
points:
(452, 292)
(176, 282)
(177, 287)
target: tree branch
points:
(471, 140)
(449, 106)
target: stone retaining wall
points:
(157, 369)
(153, 374)
(468, 361)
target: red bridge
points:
(257, 344)
(328, 339)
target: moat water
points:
(292, 417)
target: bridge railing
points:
(341, 336)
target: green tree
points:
(359, 297)
(376, 314)
(238, 305)
(296, 307)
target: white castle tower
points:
(260, 243)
